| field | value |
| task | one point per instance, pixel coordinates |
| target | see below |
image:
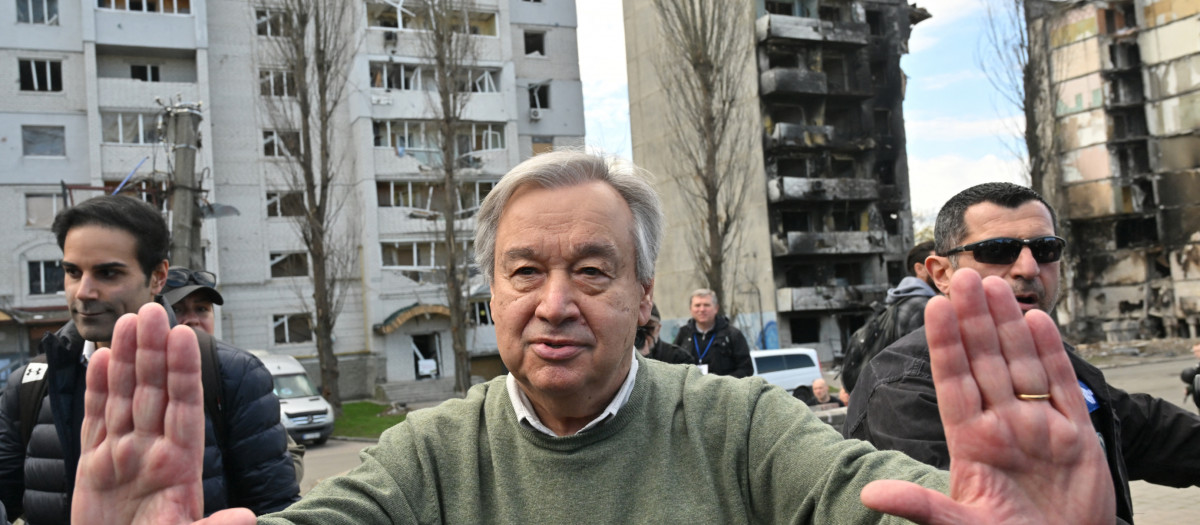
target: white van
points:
(788, 367)
(306, 415)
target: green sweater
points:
(686, 448)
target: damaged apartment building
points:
(831, 221)
(1121, 124)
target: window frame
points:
(525, 35)
(153, 73)
(539, 96)
(272, 22)
(146, 133)
(275, 143)
(268, 80)
(56, 199)
(278, 207)
(147, 6)
(49, 12)
(62, 132)
(27, 74)
(41, 285)
(283, 261)
(286, 320)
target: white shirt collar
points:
(89, 348)
(526, 414)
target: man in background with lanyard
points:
(719, 347)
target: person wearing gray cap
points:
(192, 295)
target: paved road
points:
(332, 458)
(1154, 504)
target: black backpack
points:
(876, 334)
(32, 391)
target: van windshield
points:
(293, 385)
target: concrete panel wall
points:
(1082, 130)
(1080, 94)
(1171, 41)
(1075, 60)
(1160, 12)
(1092, 163)
(1174, 115)
(1074, 26)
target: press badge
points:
(703, 369)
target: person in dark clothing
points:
(1007, 231)
(719, 347)
(820, 395)
(114, 261)
(654, 348)
(913, 292)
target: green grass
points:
(362, 419)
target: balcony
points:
(779, 29)
(785, 189)
(806, 137)
(121, 158)
(409, 43)
(821, 298)
(127, 93)
(792, 81)
(146, 30)
(403, 221)
(829, 243)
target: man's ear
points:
(940, 270)
(646, 303)
(158, 277)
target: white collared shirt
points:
(526, 414)
(89, 348)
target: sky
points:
(960, 130)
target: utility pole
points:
(183, 127)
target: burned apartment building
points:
(1121, 124)
(831, 220)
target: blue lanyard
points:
(700, 356)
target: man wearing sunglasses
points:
(1008, 231)
(114, 262)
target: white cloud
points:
(953, 129)
(932, 181)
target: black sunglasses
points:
(1006, 250)
(180, 277)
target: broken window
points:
(1124, 55)
(273, 22)
(144, 72)
(795, 221)
(40, 209)
(37, 12)
(129, 128)
(276, 83)
(479, 23)
(285, 204)
(1133, 159)
(45, 277)
(153, 193)
(543, 145)
(830, 13)
(1138, 231)
(479, 81)
(535, 44)
(43, 141)
(896, 271)
(842, 167)
(390, 75)
(40, 75)
(471, 194)
(891, 223)
(281, 143)
(481, 136)
(885, 171)
(847, 274)
(481, 311)
(835, 73)
(883, 123)
(781, 7)
(794, 168)
(805, 329)
(539, 96)
(875, 22)
(292, 328)
(289, 264)
(847, 220)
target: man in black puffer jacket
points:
(719, 347)
(114, 261)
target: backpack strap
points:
(30, 394)
(210, 379)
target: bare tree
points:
(447, 43)
(706, 50)
(1017, 67)
(304, 89)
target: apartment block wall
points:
(1123, 74)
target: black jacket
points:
(669, 353)
(252, 469)
(728, 355)
(894, 407)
